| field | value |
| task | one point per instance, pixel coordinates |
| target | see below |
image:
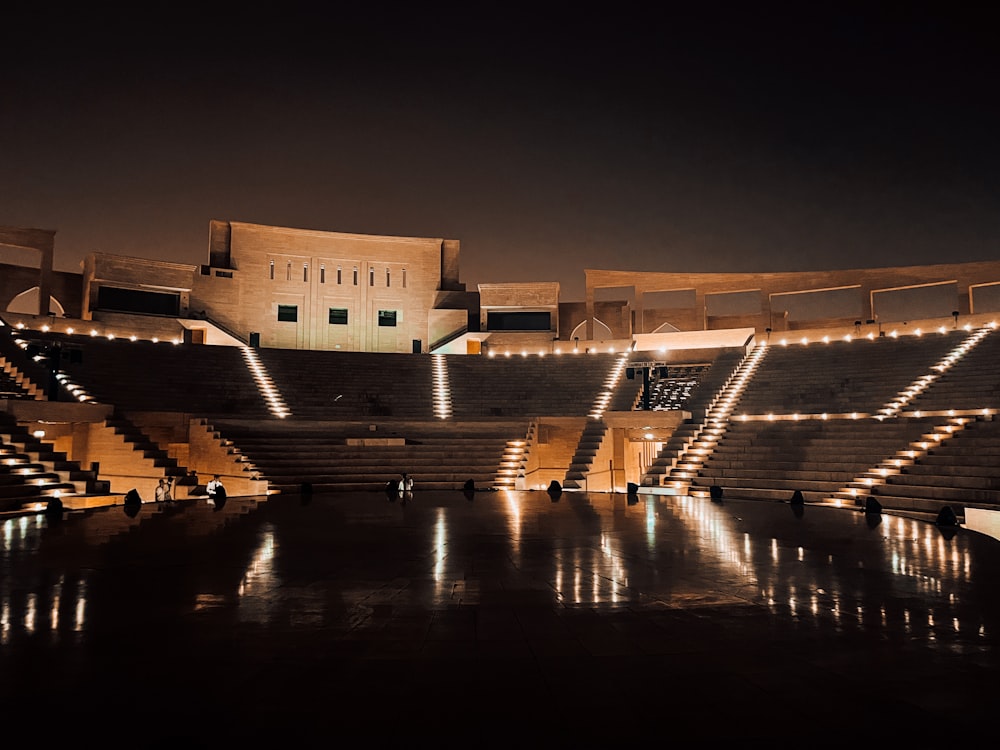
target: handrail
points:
(445, 340)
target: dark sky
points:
(734, 137)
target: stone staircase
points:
(683, 455)
(512, 462)
(910, 422)
(333, 456)
(32, 471)
(151, 451)
(583, 460)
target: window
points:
(338, 316)
(355, 276)
(272, 270)
(387, 280)
(371, 277)
(305, 272)
(288, 313)
(518, 321)
(340, 275)
(322, 274)
(387, 318)
(288, 271)
(115, 299)
(404, 278)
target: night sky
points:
(735, 137)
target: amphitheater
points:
(604, 540)
(298, 360)
(838, 415)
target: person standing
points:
(406, 487)
(162, 494)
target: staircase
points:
(442, 387)
(139, 441)
(31, 471)
(512, 463)
(265, 383)
(698, 440)
(586, 451)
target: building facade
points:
(281, 287)
(296, 289)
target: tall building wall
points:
(305, 289)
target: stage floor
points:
(488, 616)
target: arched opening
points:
(26, 303)
(601, 331)
(667, 328)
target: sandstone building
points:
(278, 287)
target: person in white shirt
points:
(215, 489)
(162, 494)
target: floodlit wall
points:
(790, 301)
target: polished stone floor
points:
(494, 617)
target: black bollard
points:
(947, 517)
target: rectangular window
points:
(322, 274)
(518, 321)
(115, 299)
(387, 318)
(288, 313)
(288, 271)
(404, 278)
(305, 272)
(272, 270)
(338, 316)
(371, 277)
(340, 275)
(355, 276)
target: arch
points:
(36, 240)
(667, 328)
(601, 331)
(27, 303)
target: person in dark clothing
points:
(216, 490)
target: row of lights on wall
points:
(871, 335)
(94, 334)
(542, 353)
(46, 328)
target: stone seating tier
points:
(756, 458)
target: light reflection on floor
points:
(360, 575)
